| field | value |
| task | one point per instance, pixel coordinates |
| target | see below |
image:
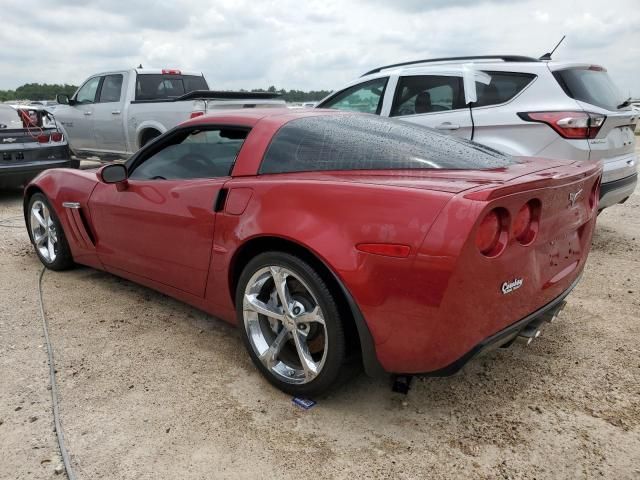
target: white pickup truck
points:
(113, 114)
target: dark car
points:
(30, 142)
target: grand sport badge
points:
(508, 287)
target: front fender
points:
(69, 185)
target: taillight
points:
(170, 71)
(386, 249)
(43, 138)
(196, 114)
(573, 125)
(525, 224)
(492, 234)
(56, 137)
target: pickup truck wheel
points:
(147, 136)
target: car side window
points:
(200, 153)
(419, 94)
(111, 88)
(87, 93)
(502, 87)
(365, 97)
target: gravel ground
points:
(151, 388)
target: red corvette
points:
(331, 237)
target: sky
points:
(303, 44)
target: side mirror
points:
(114, 173)
(62, 99)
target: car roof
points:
(454, 66)
(248, 117)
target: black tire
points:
(63, 259)
(332, 372)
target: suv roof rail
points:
(506, 58)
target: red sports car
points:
(331, 237)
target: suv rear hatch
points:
(614, 143)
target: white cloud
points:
(308, 45)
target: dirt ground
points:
(151, 388)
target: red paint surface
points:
(424, 311)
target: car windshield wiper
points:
(626, 103)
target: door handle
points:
(448, 126)
(115, 112)
(87, 112)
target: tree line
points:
(37, 91)
(44, 91)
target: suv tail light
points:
(492, 234)
(170, 71)
(56, 137)
(573, 125)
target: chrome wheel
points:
(43, 231)
(285, 325)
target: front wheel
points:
(47, 235)
(291, 324)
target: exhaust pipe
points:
(529, 333)
(533, 330)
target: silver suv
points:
(519, 105)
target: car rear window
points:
(163, 87)
(367, 142)
(590, 85)
(502, 87)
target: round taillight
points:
(525, 225)
(56, 137)
(522, 222)
(491, 235)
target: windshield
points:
(590, 85)
(368, 142)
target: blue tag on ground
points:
(303, 402)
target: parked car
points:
(329, 236)
(518, 105)
(30, 142)
(113, 114)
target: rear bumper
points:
(506, 335)
(617, 191)
(14, 175)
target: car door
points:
(108, 124)
(77, 117)
(435, 101)
(160, 224)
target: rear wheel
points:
(47, 235)
(291, 324)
